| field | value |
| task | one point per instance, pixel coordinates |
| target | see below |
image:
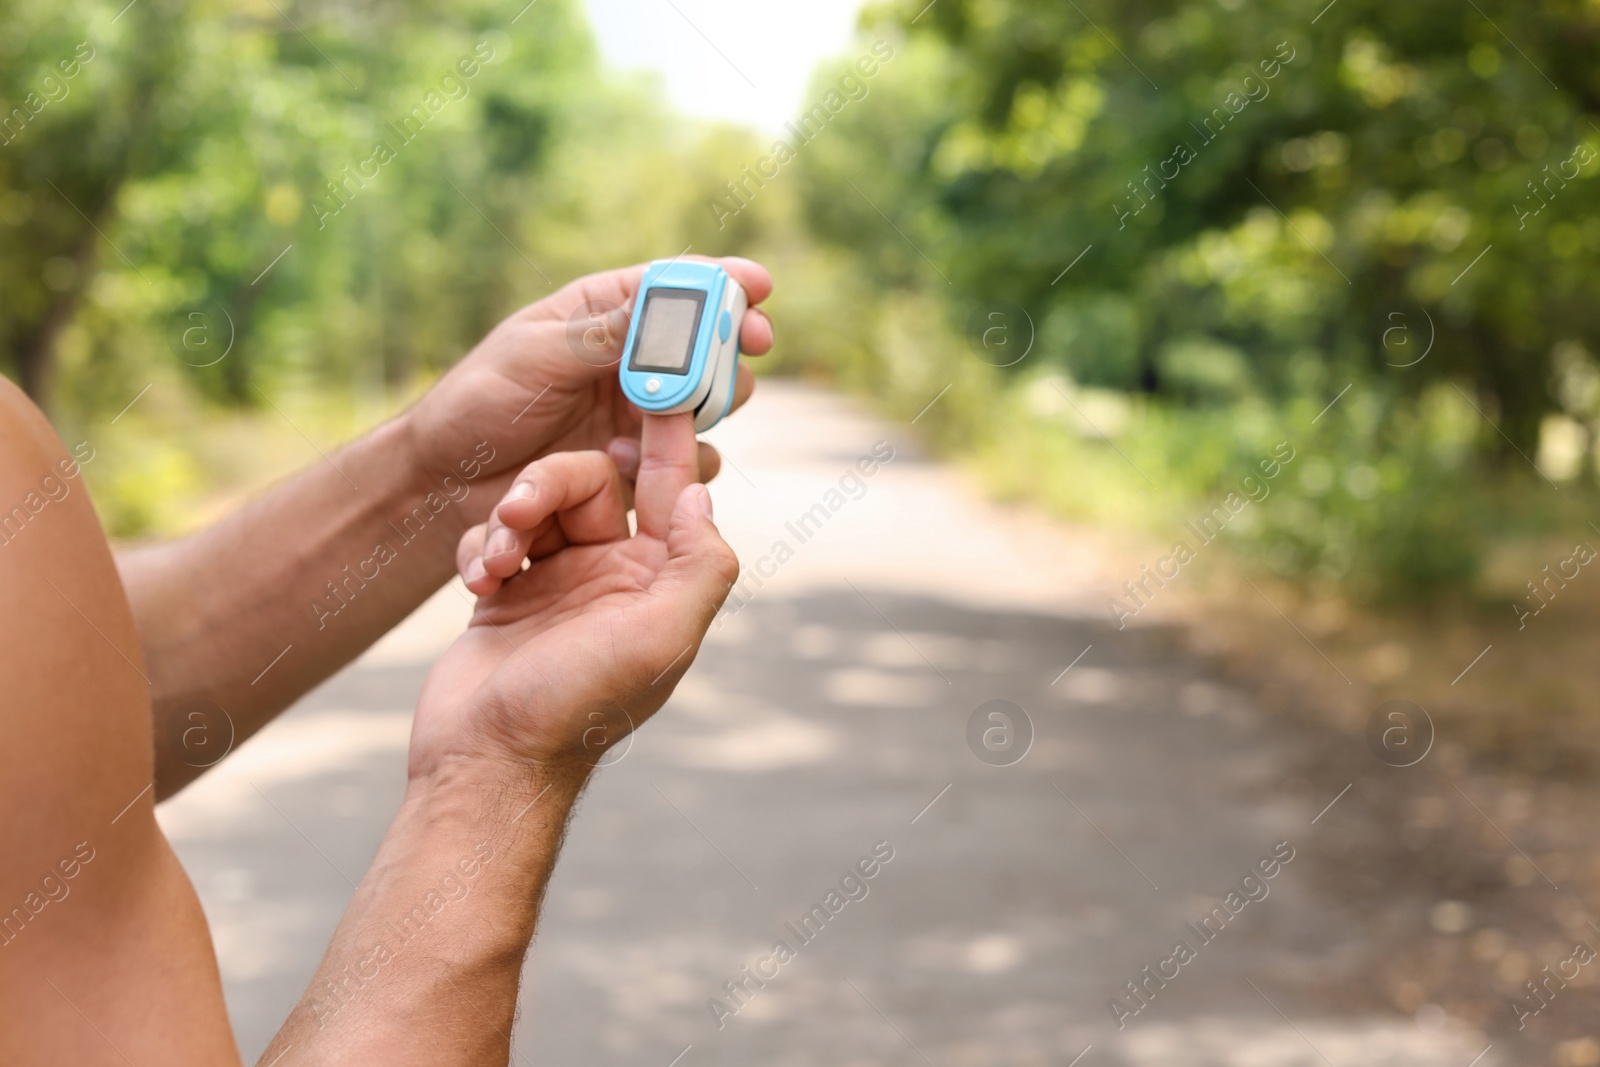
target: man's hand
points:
(545, 380)
(560, 661)
(564, 658)
(348, 548)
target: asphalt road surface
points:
(831, 715)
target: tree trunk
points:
(37, 351)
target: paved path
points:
(830, 714)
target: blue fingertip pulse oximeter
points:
(683, 342)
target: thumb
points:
(700, 568)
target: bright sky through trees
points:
(768, 50)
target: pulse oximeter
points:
(683, 342)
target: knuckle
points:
(725, 563)
(676, 470)
(574, 467)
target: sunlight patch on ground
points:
(1219, 1042)
(737, 734)
(775, 741)
(1091, 685)
(880, 688)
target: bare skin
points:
(561, 661)
(522, 393)
(117, 960)
(104, 952)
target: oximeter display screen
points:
(667, 331)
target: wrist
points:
(448, 905)
(486, 837)
(452, 482)
(402, 436)
(493, 795)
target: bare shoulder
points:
(98, 924)
(75, 719)
(37, 470)
(58, 581)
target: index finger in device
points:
(668, 462)
(624, 452)
(598, 308)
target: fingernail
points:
(523, 491)
(624, 452)
(500, 542)
(703, 500)
(475, 571)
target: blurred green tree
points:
(1271, 199)
(194, 144)
(308, 209)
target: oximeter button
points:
(653, 386)
(725, 325)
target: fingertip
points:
(700, 499)
(477, 578)
(500, 568)
(501, 542)
(744, 386)
(522, 514)
(710, 462)
(692, 506)
(755, 333)
(624, 452)
(755, 278)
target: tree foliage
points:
(149, 199)
(1276, 197)
(303, 211)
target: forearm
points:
(425, 965)
(250, 614)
